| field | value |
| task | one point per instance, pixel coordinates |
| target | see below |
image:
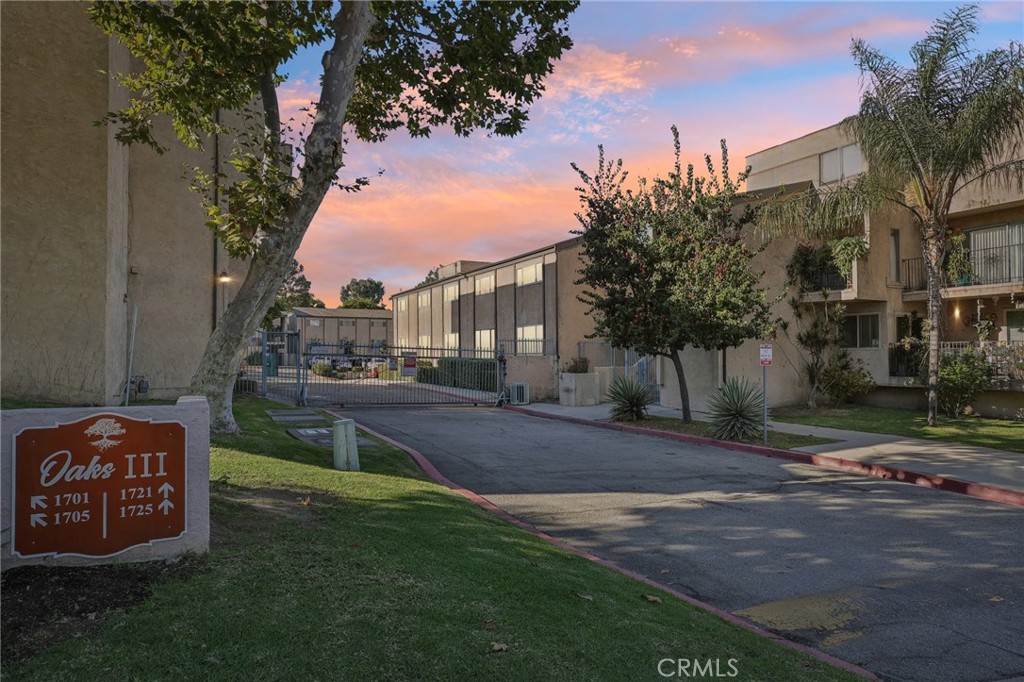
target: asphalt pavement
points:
(911, 583)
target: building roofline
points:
(303, 311)
(496, 264)
(792, 140)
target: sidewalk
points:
(969, 463)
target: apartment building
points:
(109, 271)
(334, 327)
(525, 307)
(884, 295)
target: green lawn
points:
(316, 574)
(1002, 434)
(776, 439)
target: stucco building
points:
(336, 326)
(106, 261)
(884, 295)
(525, 306)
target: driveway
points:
(910, 583)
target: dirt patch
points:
(43, 605)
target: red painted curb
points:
(982, 491)
(433, 473)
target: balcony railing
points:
(826, 278)
(999, 265)
(1005, 357)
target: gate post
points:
(263, 360)
(300, 399)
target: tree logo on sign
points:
(105, 428)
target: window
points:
(530, 340)
(860, 331)
(485, 284)
(451, 340)
(424, 341)
(424, 299)
(378, 323)
(837, 164)
(451, 292)
(894, 255)
(401, 305)
(529, 274)
(484, 339)
(346, 323)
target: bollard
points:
(346, 452)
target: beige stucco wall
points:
(63, 335)
(92, 230)
(174, 274)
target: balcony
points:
(827, 278)
(1005, 357)
(999, 265)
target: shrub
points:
(736, 410)
(630, 399)
(577, 366)
(323, 369)
(845, 377)
(960, 377)
(478, 375)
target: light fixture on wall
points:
(223, 277)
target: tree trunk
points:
(271, 266)
(684, 393)
(932, 250)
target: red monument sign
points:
(98, 486)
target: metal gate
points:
(346, 374)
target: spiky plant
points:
(630, 398)
(736, 410)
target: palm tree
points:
(954, 119)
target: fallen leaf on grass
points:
(306, 502)
(498, 646)
(651, 598)
(664, 570)
(489, 624)
(585, 596)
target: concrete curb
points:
(982, 491)
(437, 476)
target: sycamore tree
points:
(951, 121)
(665, 265)
(362, 293)
(386, 66)
(295, 292)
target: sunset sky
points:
(757, 74)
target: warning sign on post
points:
(98, 486)
(766, 355)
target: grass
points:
(1001, 434)
(776, 439)
(316, 574)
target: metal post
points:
(764, 400)
(300, 399)
(263, 359)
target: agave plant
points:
(630, 398)
(736, 410)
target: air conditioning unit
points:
(519, 393)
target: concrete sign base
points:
(85, 486)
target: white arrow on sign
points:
(38, 501)
(166, 489)
(166, 506)
(37, 520)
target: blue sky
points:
(757, 74)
